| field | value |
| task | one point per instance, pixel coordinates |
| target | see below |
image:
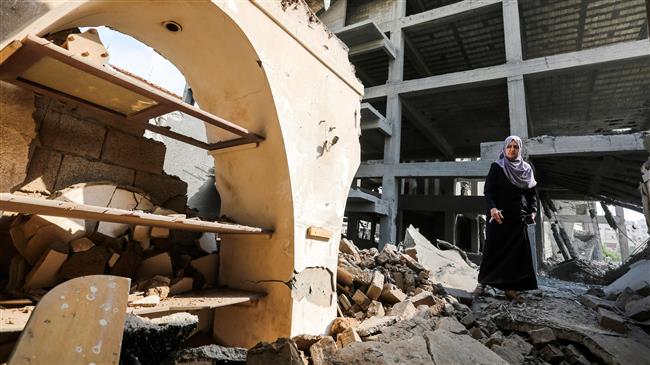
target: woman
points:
(509, 191)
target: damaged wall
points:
(303, 97)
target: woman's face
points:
(512, 150)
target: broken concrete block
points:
(639, 310)
(551, 354)
(148, 301)
(637, 277)
(348, 247)
(403, 310)
(468, 320)
(43, 274)
(391, 294)
(208, 242)
(347, 337)
(323, 350)
(611, 320)
(160, 264)
(344, 302)
(449, 348)
(181, 286)
(159, 232)
(424, 298)
(341, 324)
(281, 352)
(575, 356)
(376, 285)
(91, 262)
(113, 259)
(81, 244)
(208, 354)
(450, 324)
(208, 266)
(373, 325)
(361, 299)
(508, 354)
(541, 336)
(304, 342)
(495, 339)
(150, 341)
(375, 309)
(141, 233)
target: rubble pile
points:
(161, 262)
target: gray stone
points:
(468, 320)
(476, 333)
(611, 320)
(541, 336)
(373, 325)
(575, 356)
(281, 352)
(517, 343)
(403, 310)
(412, 351)
(639, 310)
(150, 341)
(449, 348)
(495, 339)
(209, 355)
(451, 324)
(510, 355)
(416, 326)
(552, 354)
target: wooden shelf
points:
(28, 205)
(204, 299)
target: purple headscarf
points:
(518, 171)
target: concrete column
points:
(514, 54)
(517, 106)
(512, 31)
(622, 233)
(474, 233)
(390, 193)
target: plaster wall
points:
(270, 67)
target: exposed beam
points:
(379, 44)
(433, 203)
(371, 119)
(463, 8)
(426, 169)
(425, 125)
(587, 57)
(416, 58)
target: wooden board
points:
(78, 322)
(205, 299)
(25, 204)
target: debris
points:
(180, 286)
(636, 278)
(639, 310)
(81, 245)
(160, 264)
(373, 325)
(43, 275)
(391, 294)
(376, 285)
(449, 348)
(304, 342)
(375, 309)
(341, 324)
(611, 320)
(541, 336)
(281, 352)
(347, 337)
(148, 301)
(403, 310)
(322, 350)
(348, 247)
(208, 355)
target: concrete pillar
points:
(512, 31)
(474, 234)
(450, 226)
(514, 54)
(390, 193)
(622, 233)
(539, 234)
(517, 106)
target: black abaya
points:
(507, 261)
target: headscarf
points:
(518, 171)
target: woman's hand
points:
(496, 215)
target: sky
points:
(132, 55)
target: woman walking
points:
(509, 191)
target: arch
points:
(260, 65)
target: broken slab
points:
(611, 320)
(281, 352)
(373, 325)
(347, 337)
(208, 354)
(639, 310)
(412, 351)
(403, 310)
(636, 278)
(448, 348)
(450, 324)
(391, 294)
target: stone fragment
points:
(361, 299)
(575, 356)
(495, 339)
(411, 351)
(375, 309)
(468, 320)
(150, 341)
(639, 310)
(550, 353)
(180, 286)
(403, 310)
(160, 264)
(304, 342)
(596, 302)
(344, 302)
(43, 274)
(341, 324)
(476, 333)
(450, 324)
(517, 343)
(510, 355)
(81, 245)
(611, 320)
(449, 348)
(208, 355)
(373, 325)
(346, 246)
(148, 301)
(347, 337)
(281, 352)
(424, 298)
(391, 294)
(323, 350)
(113, 259)
(541, 336)
(376, 285)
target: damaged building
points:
(315, 195)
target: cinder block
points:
(161, 187)
(73, 135)
(42, 171)
(77, 169)
(138, 153)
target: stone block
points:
(375, 309)
(376, 285)
(43, 170)
(347, 246)
(344, 302)
(373, 325)
(161, 187)
(639, 310)
(347, 337)
(73, 135)
(323, 350)
(209, 354)
(43, 274)
(541, 336)
(282, 352)
(391, 294)
(611, 320)
(138, 153)
(304, 342)
(449, 348)
(77, 170)
(341, 324)
(181, 286)
(403, 310)
(361, 299)
(424, 298)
